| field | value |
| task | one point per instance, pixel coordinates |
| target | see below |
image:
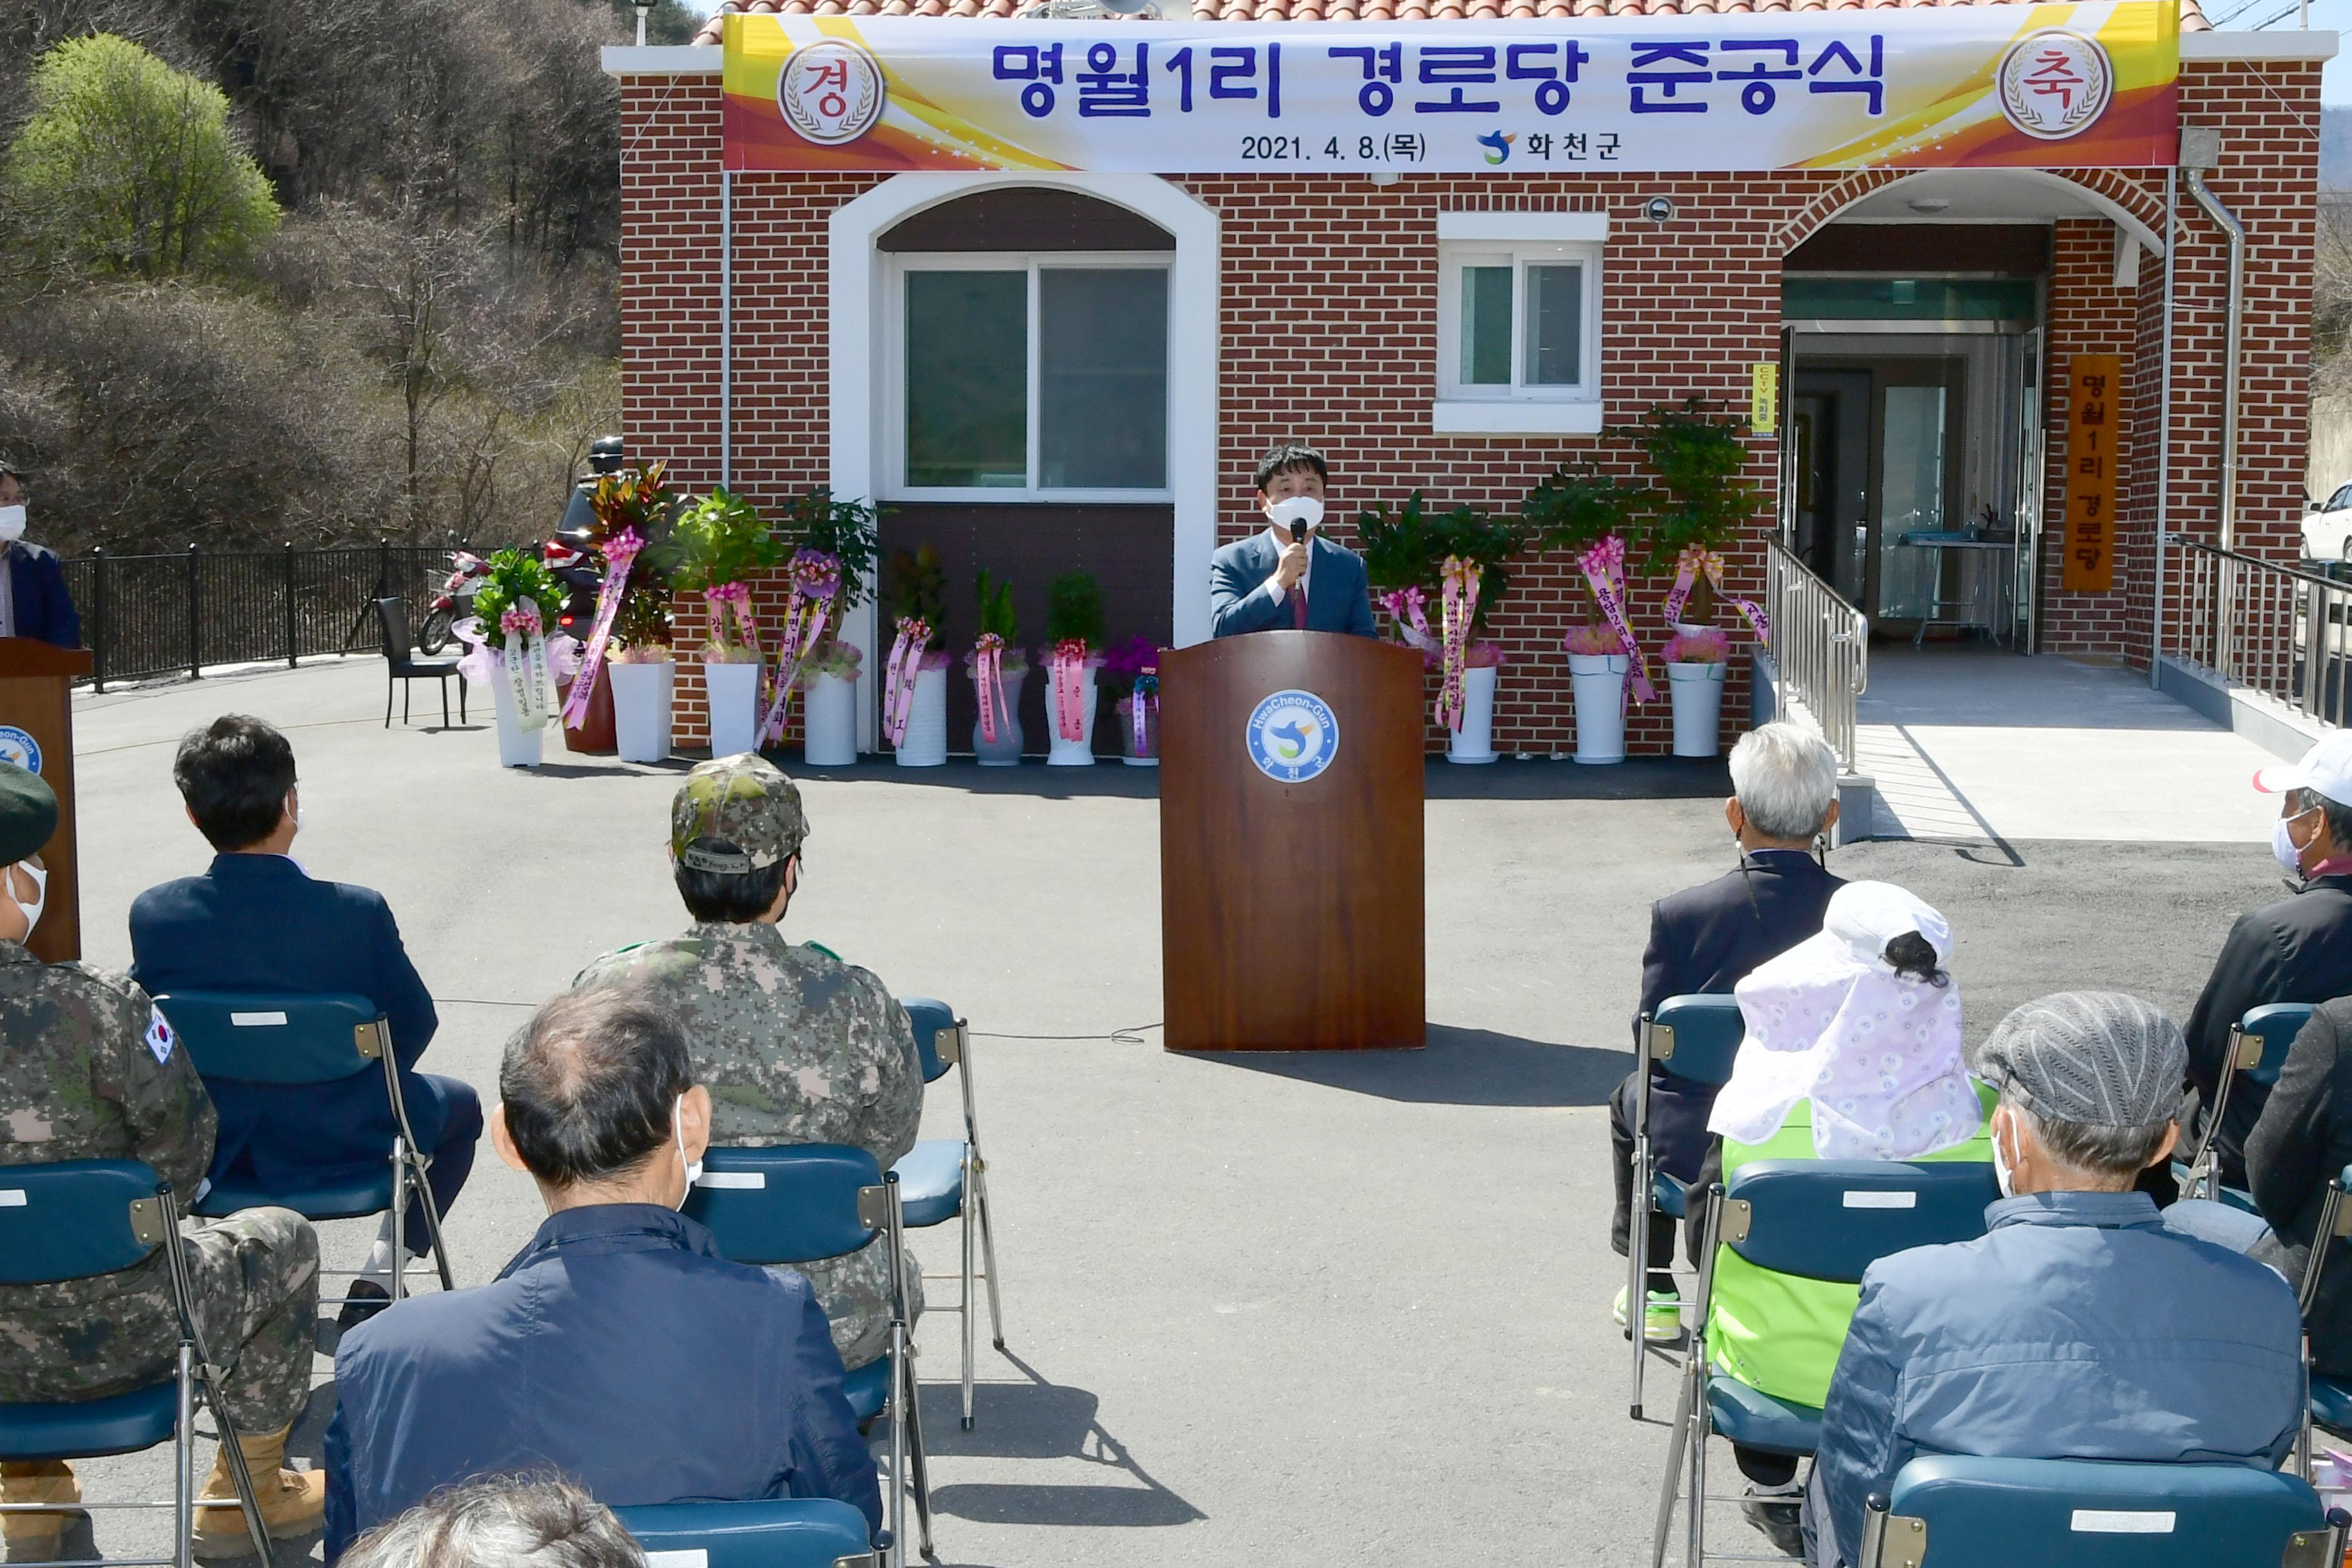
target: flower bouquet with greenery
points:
(1457, 556)
(641, 631)
(1701, 504)
(1074, 633)
(510, 637)
(722, 544)
(996, 654)
(1583, 509)
(837, 658)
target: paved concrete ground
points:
(1272, 1310)
(1969, 741)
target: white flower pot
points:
(731, 691)
(641, 709)
(926, 745)
(829, 722)
(1599, 682)
(517, 747)
(1475, 741)
(1150, 740)
(1698, 706)
(1066, 753)
(1004, 752)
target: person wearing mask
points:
(618, 1348)
(2297, 950)
(34, 599)
(90, 1070)
(1852, 1052)
(257, 921)
(2300, 1144)
(795, 1046)
(2079, 1326)
(1703, 941)
(1289, 578)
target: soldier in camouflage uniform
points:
(89, 1070)
(795, 1046)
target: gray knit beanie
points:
(2098, 1059)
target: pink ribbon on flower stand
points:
(1460, 590)
(1697, 559)
(988, 677)
(620, 551)
(1603, 566)
(898, 677)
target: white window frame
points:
(894, 372)
(1518, 240)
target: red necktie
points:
(1299, 604)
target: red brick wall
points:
(1341, 275)
(2086, 313)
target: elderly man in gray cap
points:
(2079, 1326)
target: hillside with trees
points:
(308, 271)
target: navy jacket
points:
(1704, 941)
(41, 604)
(2077, 1327)
(260, 922)
(2297, 950)
(1338, 599)
(618, 1348)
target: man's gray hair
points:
(1785, 777)
(501, 1521)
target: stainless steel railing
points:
(1821, 646)
(2281, 630)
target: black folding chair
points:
(402, 666)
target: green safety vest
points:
(1782, 1332)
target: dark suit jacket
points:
(619, 1348)
(43, 608)
(2302, 1140)
(2297, 950)
(259, 922)
(1703, 941)
(1339, 596)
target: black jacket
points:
(2303, 1138)
(1705, 941)
(2297, 950)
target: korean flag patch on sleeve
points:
(159, 1036)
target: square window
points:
(1554, 353)
(1487, 324)
(1517, 322)
(967, 379)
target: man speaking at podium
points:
(1289, 578)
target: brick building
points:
(1924, 322)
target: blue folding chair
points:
(74, 1220)
(2330, 1401)
(798, 1203)
(1821, 1219)
(2257, 1050)
(1948, 1510)
(1695, 1040)
(312, 1039)
(944, 1179)
(781, 1532)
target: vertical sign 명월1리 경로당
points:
(2095, 385)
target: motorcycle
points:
(454, 602)
(576, 553)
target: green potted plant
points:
(1701, 504)
(515, 655)
(1419, 562)
(1073, 652)
(1582, 509)
(722, 545)
(632, 509)
(827, 673)
(1000, 668)
(915, 682)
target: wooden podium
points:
(36, 683)
(1290, 844)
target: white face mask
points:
(40, 877)
(1296, 513)
(678, 1129)
(294, 803)
(2003, 1171)
(12, 524)
(2283, 843)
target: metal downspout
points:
(2164, 427)
(726, 329)
(2201, 149)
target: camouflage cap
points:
(28, 814)
(743, 801)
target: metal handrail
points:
(1821, 648)
(2284, 631)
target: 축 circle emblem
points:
(831, 92)
(1292, 736)
(17, 747)
(2054, 84)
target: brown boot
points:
(293, 1502)
(34, 1537)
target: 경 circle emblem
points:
(1293, 736)
(2054, 84)
(17, 747)
(831, 92)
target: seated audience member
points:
(2079, 1326)
(1704, 940)
(2303, 1141)
(506, 1521)
(795, 1046)
(89, 1070)
(618, 1348)
(1853, 1052)
(2297, 950)
(256, 921)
